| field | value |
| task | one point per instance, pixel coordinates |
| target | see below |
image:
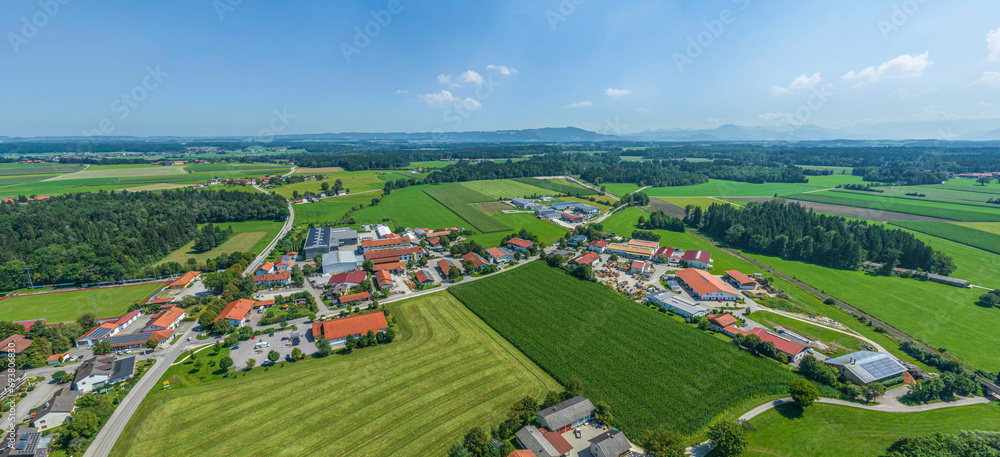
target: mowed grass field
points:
(462, 200)
(943, 210)
(329, 211)
(22, 169)
(356, 181)
(839, 431)
(720, 188)
(507, 189)
(547, 232)
(250, 236)
(114, 171)
(67, 306)
(989, 227)
(446, 373)
(410, 207)
(965, 235)
(655, 372)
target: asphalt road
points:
(284, 230)
(109, 434)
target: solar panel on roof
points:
(882, 367)
(21, 445)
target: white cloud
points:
(984, 104)
(801, 82)
(583, 104)
(904, 66)
(445, 99)
(993, 44)
(472, 77)
(643, 110)
(444, 79)
(504, 70)
(989, 78)
(617, 93)
(402, 92)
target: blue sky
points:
(231, 67)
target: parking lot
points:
(278, 342)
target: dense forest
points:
(108, 236)
(790, 231)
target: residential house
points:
(532, 439)
(597, 246)
(93, 373)
(564, 416)
(725, 324)
(282, 278)
(185, 280)
(383, 280)
(445, 266)
(678, 304)
(23, 442)
(167, 320)
(704, 286)
(396, 268)
(500, 255)
(237, 312)
(611, 443)
(16, 344)
(350, 279)
(698, 259)
(792, 349)
(865, 367)
(519, 245)
(577, 241)
(55, 411)
(478, 262)
(337, 330)
(56, 358)
(587, 259)
(641, 268)
(424, 278)
(356, 298)
(267, 267)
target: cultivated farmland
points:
(446, 373)
(654, 371)
(111, 171)
(507, 189)
(67, 306)
(839, 431)
(460, 199)
(409, 207)
(558, 185)
(951, 211)
(957, 233)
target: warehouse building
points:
(865, 367)
(324, 240)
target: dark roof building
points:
(533, 440)
(55, 411)
(23, 442)
(567, 414)
(123, 370)
(611, 443)
(866, 367)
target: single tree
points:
(152, 344)
(198, 363)
(661, 443)
(225, 362)
(803, 392)
(103, 347)
(273, 355)
(251, 363)
(297, 354)
(729, 438)
(476, 442)
(874, 390)
(574, 386)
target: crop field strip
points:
(956, 197)
(506, 189)
(654, 371)
(461, 200)
(16, 169)
(839, 431)
(446, 373)
(960, 234)
(409, 207)
(562, 187)
(956, 212)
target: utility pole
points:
(154, 268)
(31, 284)
(95, 305)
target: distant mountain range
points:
(931, 131)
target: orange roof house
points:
(184, 280)
(338, 329)
(236, 311)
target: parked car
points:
(272, 334)
(234, 348)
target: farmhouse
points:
(611, 443)
(236, 312)
(396, 255)
(698, 259)
(519, 245)
(678, 304)
(386, 243)
(185, 280)
(166, 320)
(351, 279)
(325, 240)
(597, 246)
(542, 444)
(478, 262)
(793, 350)
(356, 298)
(704, 286)
(572, 218)
(500, 255)
(272, 279)
(424, 278)
(382, 279)
(337, 330)
(629, 252)
(740, 280)
(267, 267)
(56, 358)
(16, 344)
(445, 266)
(340, 261)
(587, 259)
(56, 411)
(566, 415)
(725, 324)
(865, 367)
(641, 268)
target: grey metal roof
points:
(869, 366)
(532, 439)
(567, 412)
(130, 338)
(564, 205)
(612, 443)
(680, 302)
(123, 369)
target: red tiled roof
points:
(356, 297)
(354, 325)
(433, 241)
(598, 243)
(522, 453)
(520, 243)
(586, 259)
(351, 277)
(264, 303)
(477, 260)
(702, 282)
(557, 441)
(375, 256)
(16, 342)
(267, 266)
(56, 357)
(279, 276)
(740, 277)
(722, 320)
(444, 265)
(497, 253)
(788, 347)
(665, 251)
(640, 265)
(236, 310)
(644, 244)
(382, 278)
(124, 319)
(423, 277)
(167, 318)
(733, 330)
(392, 266)
(185, 279)
(28, 324)
(384, 243)
(700, 256)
